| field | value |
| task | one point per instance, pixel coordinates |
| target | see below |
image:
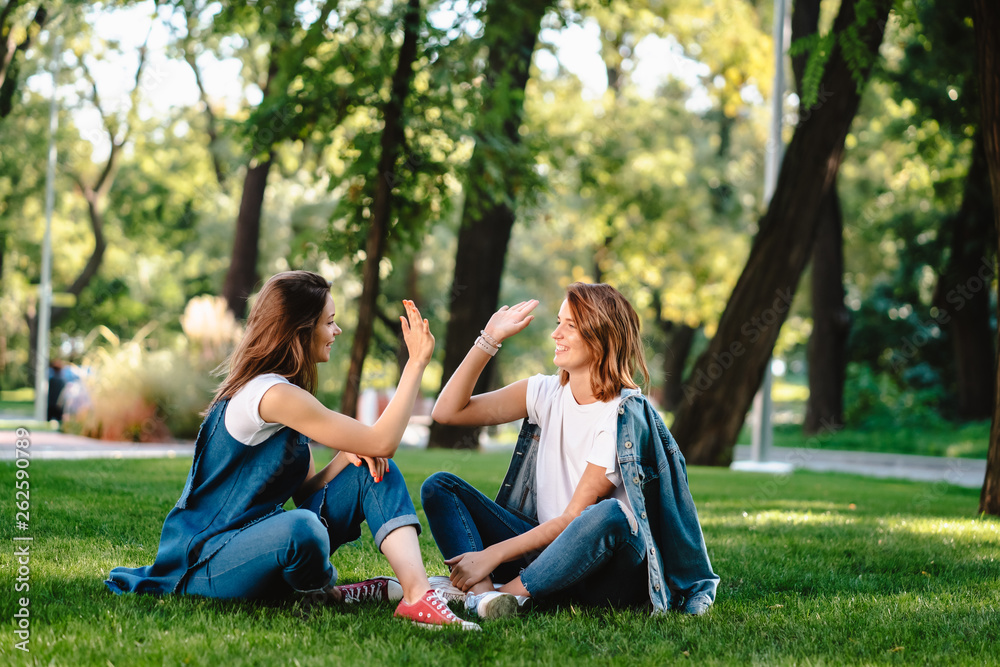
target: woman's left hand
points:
(470, 568)
(377, 466)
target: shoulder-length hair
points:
(609, 327)
(279, 333)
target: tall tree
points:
(242, 274)
(827, 349)
(94, 190)
(942, 79)
(986, 19)
(497, 173)
(969, 309)
(728, 374)
(378, 227)
(190, 43)
(10, 47)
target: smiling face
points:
(572, 354)
(325, 333)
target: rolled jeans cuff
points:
(394, 523)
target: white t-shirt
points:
(573, 435)
(243, 413)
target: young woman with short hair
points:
(595, 506)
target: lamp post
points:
(762, 432)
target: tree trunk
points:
(378, 231)
(727, 375)
(986, 19)
(963, 295)
(488, 216)
(242, 274)
(827, 351)
(675, 356)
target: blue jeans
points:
(291, 550)
(597, 559)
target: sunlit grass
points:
(816, 569)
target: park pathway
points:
(958, 471)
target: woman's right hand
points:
(376, 465)
(510, 320)
(417, 334)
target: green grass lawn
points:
(816, 569)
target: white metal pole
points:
(763, 431)
(45, 285)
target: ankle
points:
(416, 591)
(484, 586)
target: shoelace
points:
(357, 594)
(439, 603)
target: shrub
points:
(875, 401)
(140, 393)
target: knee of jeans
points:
(609, 514)
(433, 486)
(308, 532)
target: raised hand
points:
(417, 334)
(510, 320)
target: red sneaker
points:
(379, 589)
(431, 611)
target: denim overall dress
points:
(230, 487)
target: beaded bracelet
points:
(490, 339)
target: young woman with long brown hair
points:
(595, 506)
(229, 537)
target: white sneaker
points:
(492, 604)
(443, 585)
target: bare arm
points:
(315, 481)
(470, 568)
(299, 410)
(457, 406)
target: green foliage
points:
(657, 192)
(877, 401)
(901, 184)
(815, 568)
(859, 57)
(819, 47)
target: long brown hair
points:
(609, 327)
(279, 332)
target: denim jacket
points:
(230, 487)
(655, 479)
